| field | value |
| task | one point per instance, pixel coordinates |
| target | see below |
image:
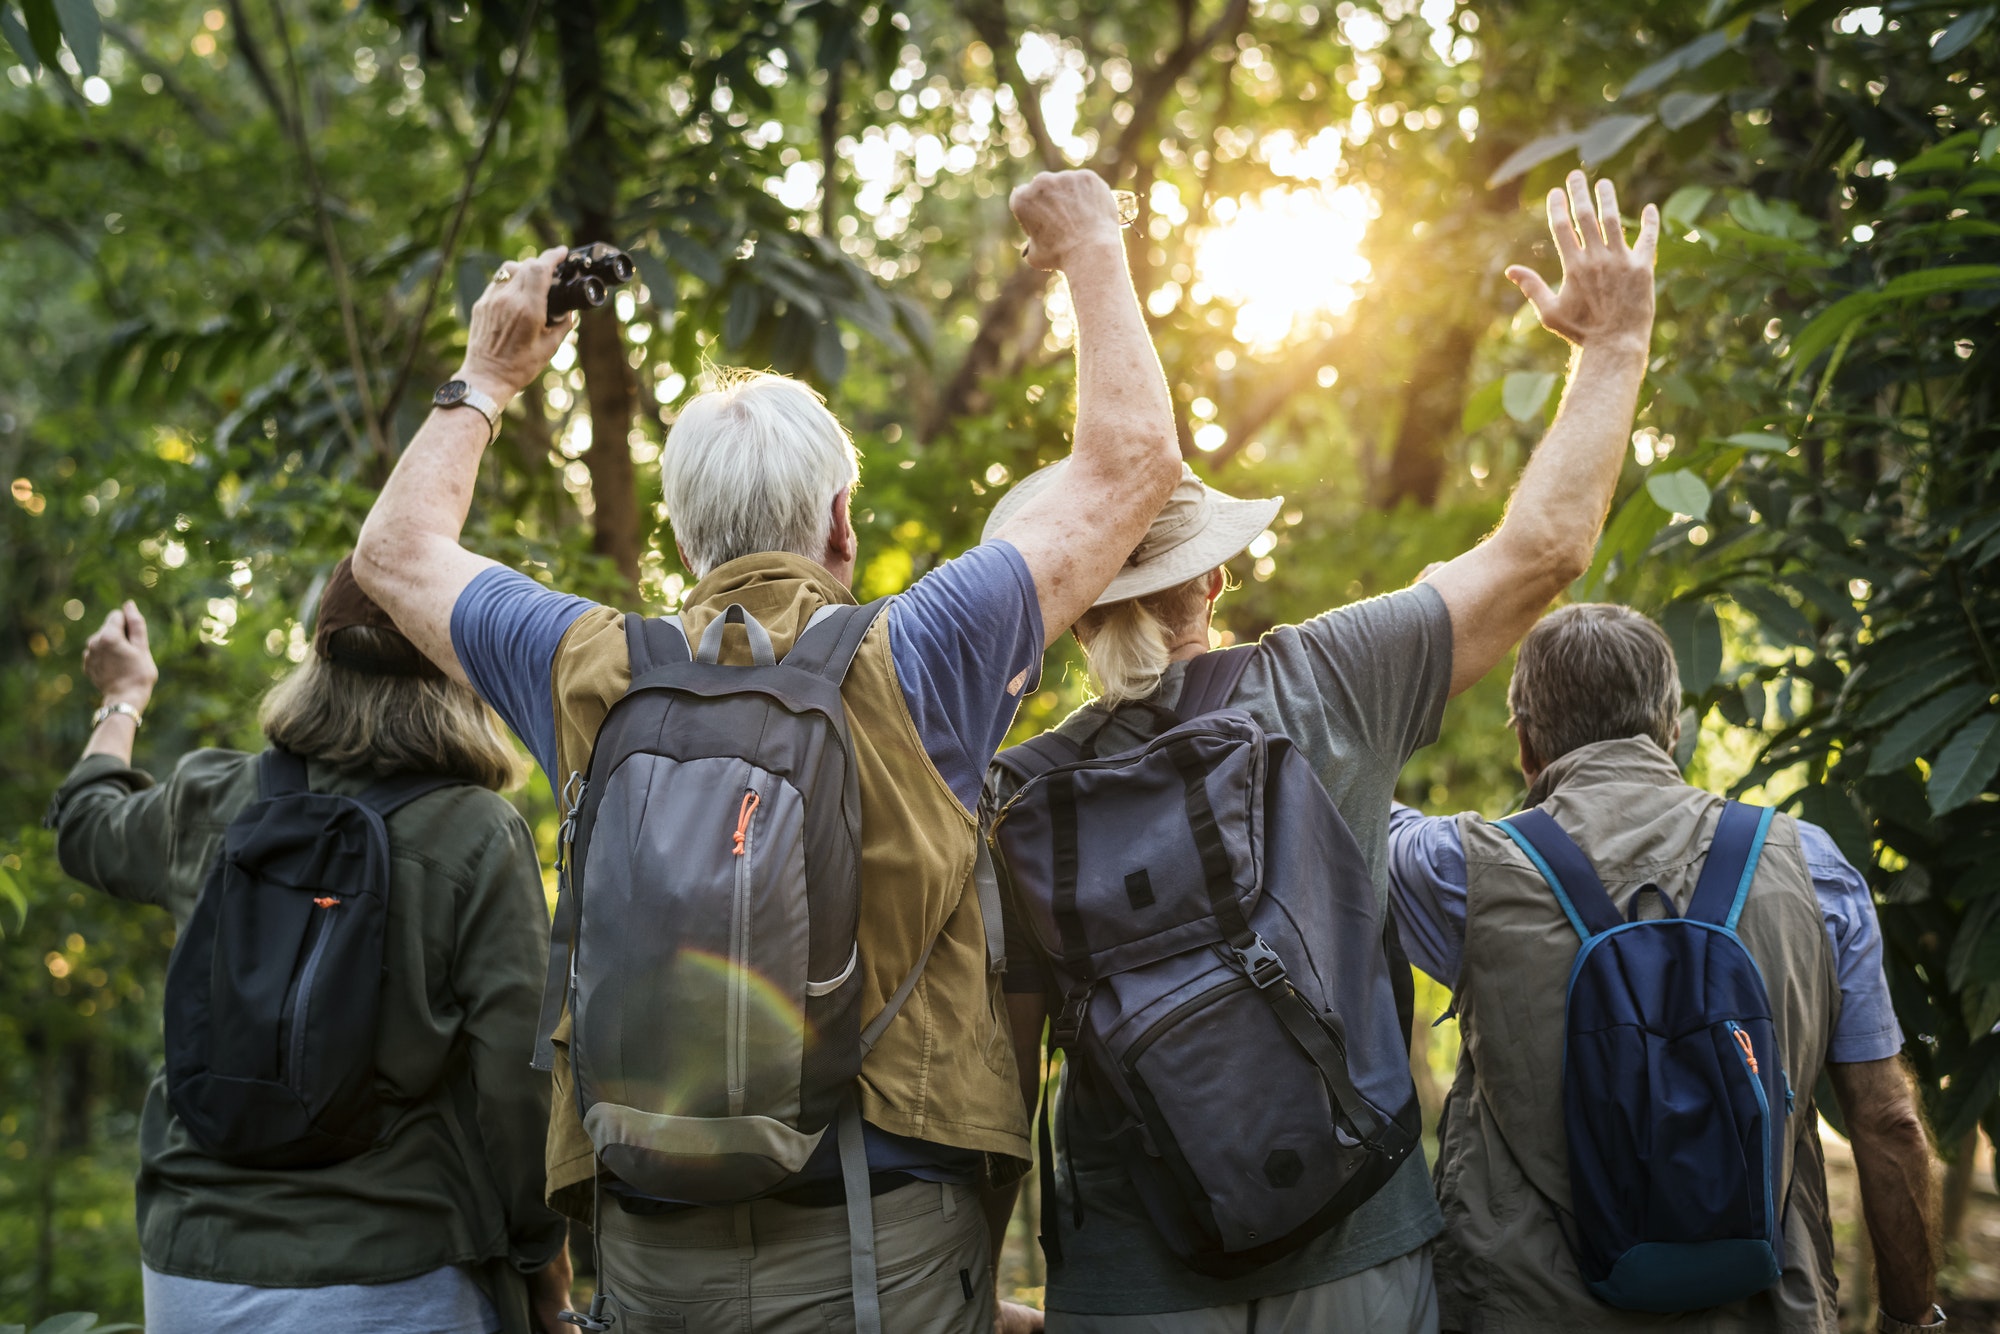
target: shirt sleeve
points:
(114, 829)
(960, 637)
(1427, 889)
(1866, 1029)
(1379, 669)
(505, 628)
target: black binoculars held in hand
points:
(585, 278)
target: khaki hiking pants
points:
(1393, 1298)
(772, 1268)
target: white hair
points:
(753, 465)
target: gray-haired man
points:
(1596, 699)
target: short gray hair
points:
(753, 465)
(1594, 671)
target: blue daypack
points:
(1674, 1093)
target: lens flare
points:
(1286, 260)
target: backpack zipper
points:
(1747, 1054)
(322, 926)
(738, 1043)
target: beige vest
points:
(1503, 1264)
(943, 1071)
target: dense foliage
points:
(239, 239)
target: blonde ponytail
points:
(1127, 643)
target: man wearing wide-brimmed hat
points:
(1357, 690)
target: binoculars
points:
(585, 278)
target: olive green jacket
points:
(458, 1177)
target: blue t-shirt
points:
(966, 640)
(1428, 887)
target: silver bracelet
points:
(1888, 1324)
(119, 707)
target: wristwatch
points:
(119, 707)
(459, 394)
(1888, 1324)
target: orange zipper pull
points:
(1749, 1053)
(328, 902)
(743, 814)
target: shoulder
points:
(212, 783)
(987, 591)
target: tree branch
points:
(450, 243)
(175, 89)
(1292, 379)
(1155, 87)
(997, 324)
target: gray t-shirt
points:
(444, 1301)
(1357, 690)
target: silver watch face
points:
(450, 394)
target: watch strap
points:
(1934, 1321)
(479, 401)
(107, 710)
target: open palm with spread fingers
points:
(1607, 285)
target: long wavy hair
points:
(1127, 643)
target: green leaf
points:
(1960, 34)
(1696, 634)
(1692, 56)
(1785, 622)
(1533, 154)
(828, 354)
(1948, 278)
(1975, 949)
(1825, 328)
(1989, 144)
(1922, 728)
(1831, 808)
(1684, 206)
(84, 31)
(1966, 764)
(1523, 393)
(1758, 440)
(1682, 109)
(1679, 492)
(70, 1322)
(740, 321)
(1603, 140)
(1482, 409)
(45, 29)
(693, 257)
(24, 51)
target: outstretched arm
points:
(408, 557)
(1893, 1159)
(1126, 459)
(1605, 308)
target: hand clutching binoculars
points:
(585, 278)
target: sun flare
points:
(1287, 260)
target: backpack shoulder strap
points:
(1211, 679)
(1569, 873)
(655, 641)
(280, 773)
(1037, 755)
(392, 794)
(710, 651)
(1731, 865)
(826, 647)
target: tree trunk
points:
(1433, 404)
(590, 187)
(1958, 1187)
(47, 1168)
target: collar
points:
(731, 580)
(1632, 759)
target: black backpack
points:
(274, 985)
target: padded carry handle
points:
(761, 652)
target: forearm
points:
(1560, 503)
(996, 1203)
(1900, 1203)
(116, 734)
(1124, 416)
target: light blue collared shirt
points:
(1427, 886)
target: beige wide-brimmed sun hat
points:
(1197, 529)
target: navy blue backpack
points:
(1675, 1099)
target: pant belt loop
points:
(950, 1200)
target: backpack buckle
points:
(1261, 963)
(1069, 1023)
(597, 1319)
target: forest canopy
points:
(241, 239)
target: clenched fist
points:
(118, 659)
(1607, 286)
(1067, 215)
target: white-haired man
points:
(757, 475)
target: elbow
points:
(378, 552)
(1546, 557)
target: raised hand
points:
(1067, 215)
(1607, 285)
(118, 659)
(511, 341)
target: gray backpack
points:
(704, 937)
(1227, 970)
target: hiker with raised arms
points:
(784, 1086)
(1234, 1143)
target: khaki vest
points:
(943, 1071)
(1503, 1264)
